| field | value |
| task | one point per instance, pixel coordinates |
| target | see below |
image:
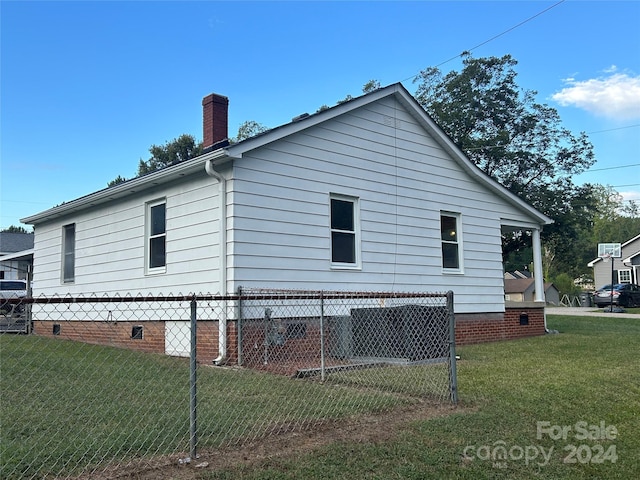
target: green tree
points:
(371, 86)
(249, 129)
(178, 150)
(564, 283)
(116, 181)
(614, 220)
(502, 129)
(15, 229)
(516, 141)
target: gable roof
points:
(522, 285)
(517, 274)
(237, 150)
(518, 285)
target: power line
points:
(612, 129)
(494, 37)
(612, 168)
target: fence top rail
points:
(243, 296)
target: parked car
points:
(624, 295)
(12, 289)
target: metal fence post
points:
(239, 327)
(453, 375)
(193, 403)
(322, 364)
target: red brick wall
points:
(470, 329)
(491, 327)
(118, 334)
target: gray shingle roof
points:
(15, 242)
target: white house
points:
(369, 195)
(625, 269)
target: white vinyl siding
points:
(402, 178)
(278, 220)
(110, 245)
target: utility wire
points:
(492, 38)
(612, 168)
(613, 129)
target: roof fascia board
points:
(630, 241)
(130, 187)
(22, 255)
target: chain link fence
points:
(97, 386)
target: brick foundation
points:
(119, 334)
(519, 320)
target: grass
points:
(68, 405)
(589, 372)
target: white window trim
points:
(628, 275)
(459, 235)
(357, 265)
(147, 237)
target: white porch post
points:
(537, 266)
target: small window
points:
(624, 276)
(451, 241)
(344, 231)
(136, 332)
(68, 253)
(156, 237)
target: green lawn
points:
(66, 407)
(584, 381)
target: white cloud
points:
(630, 195)
(616, 96)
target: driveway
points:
(587, 312)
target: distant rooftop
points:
(15, 242)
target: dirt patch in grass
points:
(360, 429)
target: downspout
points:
(222, 326)
(538, 276)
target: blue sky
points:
(87, 87)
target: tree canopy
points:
(503, 130)
(178, 150)
(15, 229)
(249, 129)
(522, 144)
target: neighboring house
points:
(369, 195)
(517, 274)
(16, 255)
(625, 269)
(523, 290)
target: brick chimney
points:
(215, 110)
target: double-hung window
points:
(345, 236)
(451, 242)
(69, 253)
(156, 237)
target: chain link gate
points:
(104, 385)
